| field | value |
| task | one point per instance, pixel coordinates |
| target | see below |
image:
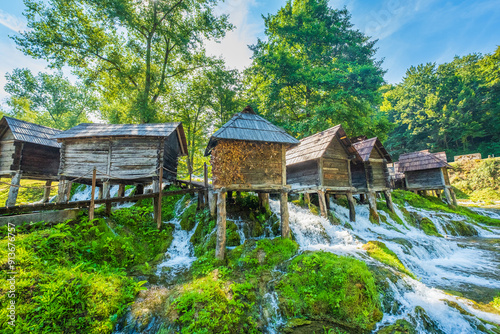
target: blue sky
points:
(410, 32)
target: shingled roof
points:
(365, 147)
(87, 130)
(314, 147)
(421, 160)
(248, 126)
(30, 133)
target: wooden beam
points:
(221, 226)
(352, 210)
(160, 193)
(92, 195)
(46, 192)
(322, 204)
(388, 200)
(121, 190)
(453, 197)
(283, 165)
(307, 199)
(285, 227)
(14, 189)
(372, 203)
(205, 182)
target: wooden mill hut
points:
(372, 174)
(248, 154)
(427, 171)
(27, 151)
(397, 178)
(121, 153)
(321, 164)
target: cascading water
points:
(456, 263)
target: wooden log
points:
(62, 191)
(285, 227)
(322, 204)
(372, 203)
(101, 191)
(68, 189)
(352, 208)
(438, 193)
(46, 192)
(105, 189)
(361, 198)
(327, 198)
(453, 197)
(14, 189)
(160, 194)
(205, 183)
(388, 200)
(264, 201)
(121, 190)
(212, 202)
(307, 199)
(154, 189)
(447, 194)
(92, 195)
(221, 226)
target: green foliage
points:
(26, 195)
(435, 204)
(326, 286)
(69, 278)
(477, 180)
(401, 326)
(48, 99)
(232, 235)
(379, 251)
(315, 71)
(448, 107)
(211, 305)
(496, 302)
(428, 227)
(188, 217)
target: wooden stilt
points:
(453, 197)
(101, 192)
(92, 195)
(322, 204)
(46, 192)
(121, 191)
(447, 194)
(372, 203)
(160, 195)
(285, 227)
(221, 226)
(14, 189)
(205, 183)
(327, 198)
(106, 186)
(388, 200)
(361, 198)
(61, 191)
(155, 199)
(307, 198)
(264, 200)
(438, 193)
(212, 202)
(352, 209)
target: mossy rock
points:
(314, 209)
(333, 218)
(257, 229)
(429, 325)
(379, 251)
(232, 235)
(321, 285)
(429, 228)
(401, 326)
(188, 217)
(460, 228)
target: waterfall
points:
(460, 264)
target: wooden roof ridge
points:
(90, 130)
(30, 132)
(421, 160)
(365, 147)
(248, 126)
(314, 146)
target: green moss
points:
(232, 236)
(379, 251)
(496, 302)
(460, 228)
(401, 326)
(188, 217)
(314, 209)
(428, 227)
(327, 286)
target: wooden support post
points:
(453, 197)
(361, 198)
(327, 198)
(307, 199)
(438, 193)
(46, 192)
(285, 227)
(101, 192)
(447, 194)
(205, 183)
(352, 210)
(388, 200)
(264, 200)
(160, 196)
(212, 202)
(14, 189)
(92, 195)
(322, 204)
(121, 191)
(155, 199)
(62, 191)
(105, 194)
(372, 203)
(221, 226)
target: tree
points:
(129, 50)
(316, 71)
(48, 99)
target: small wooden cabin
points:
(121, 153)
(248, 154)
(321, 163)
(27, 151)
(371, 175)
(426, 171)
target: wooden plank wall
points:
(7, 150)
(425, 179)
(39, 160)
(336, 166)
(303, 174)
(170, 156)
(359, 176)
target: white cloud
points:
(14, 23)
(234, 47)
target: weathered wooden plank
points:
(221, 226)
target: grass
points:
(26, 195)
(379, 251)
